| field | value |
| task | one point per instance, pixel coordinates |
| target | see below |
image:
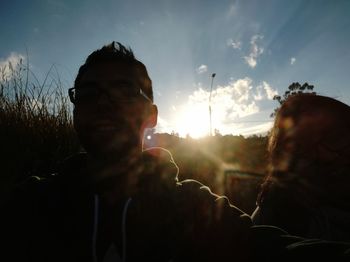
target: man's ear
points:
(152, 117)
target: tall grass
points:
(36, 130)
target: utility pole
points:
(211, 89)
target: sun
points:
(193, 120)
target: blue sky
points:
(256, 48)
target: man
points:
(116, 202)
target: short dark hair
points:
(116, 52)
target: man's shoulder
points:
(27, 187)
(73, 163)
(159, 164)
(23, 201)
(319, 249)
(158, 155)
(191, 192)
(190, 195)
(270, 243)
(37, 189)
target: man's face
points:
(112, 120)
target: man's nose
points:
(105, 103)
(103, 99)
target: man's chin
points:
(111, 149)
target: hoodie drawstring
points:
(125, 211)
(94, 236)
(95, 227)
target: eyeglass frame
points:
(100, 90)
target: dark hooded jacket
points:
(61, 218)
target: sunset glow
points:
(193, 121)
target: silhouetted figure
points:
(117, 202)
(307, 190)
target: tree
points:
(217, 132)
(293, 89)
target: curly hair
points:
(309, 148)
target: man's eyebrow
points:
(88, 84)
(122, 82)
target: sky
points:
(255, 48)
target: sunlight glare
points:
(193, 120)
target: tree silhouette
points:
(217, 132)
(293, 89)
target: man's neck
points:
(113, 175)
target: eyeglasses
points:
(118, 94)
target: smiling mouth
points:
(105, 128)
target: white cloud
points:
(270, 92)
(234, 108)
(202, 69)
(228, 104)
(292, 60)
(259, 94)
(255, 51)
(11, 61)
(254, 129)
(232, 10)
(234, 44)
(264, 91)
(163, 126)
(230, 101)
